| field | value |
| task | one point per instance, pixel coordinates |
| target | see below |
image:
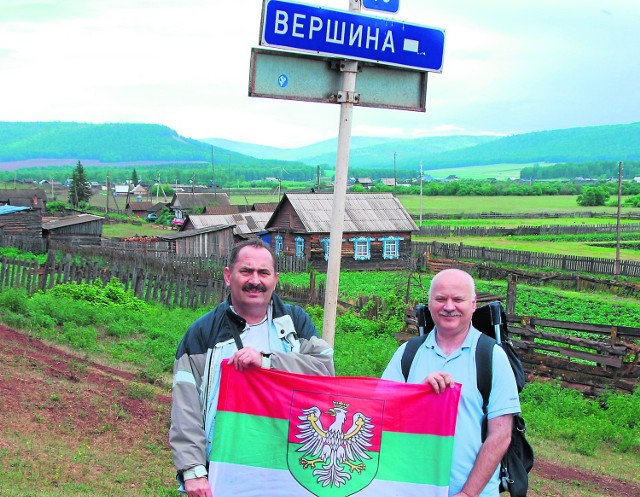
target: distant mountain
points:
(589, 144)
(403, 154)
(326, 147)
(152, 143)
(103, 142)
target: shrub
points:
(14, 301)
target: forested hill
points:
(101, 142)
(578, 145)
(120, 143)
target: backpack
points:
(490, 320)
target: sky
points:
(510, 67)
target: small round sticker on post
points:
(283, 80)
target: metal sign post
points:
(393, 58)
(346, 98)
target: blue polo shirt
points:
(461, 365)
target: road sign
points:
(351, 35)
(383, 5)
(315, 78)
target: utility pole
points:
(395, 176)
(420, 226)
(616, 270)
(108, 192)
(213, 173)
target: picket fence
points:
(578, 229)
(180, 283)
(421, 251)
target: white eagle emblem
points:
(339, 453)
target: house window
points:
(361, 248)
(390, 247)
(325, 245)
(299, 246)
(279, 244)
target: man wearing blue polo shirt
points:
(448, 356)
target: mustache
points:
(249, 287)
(450, 314)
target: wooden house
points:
(20, 221)
(211, 241)
(376, 235)
(183, 204)
(245, 224)
(139, 209)
(81, 229)
(364, 182)
(34, 198)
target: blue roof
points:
(10, 209)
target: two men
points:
(283, 337)
(254, 328)
(448, 356)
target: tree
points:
(592, 196)
(79, 190)
(134, 178)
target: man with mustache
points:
(254, 328)
(448, 356)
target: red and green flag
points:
(289, 435)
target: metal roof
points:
(193, 200)
(10, 209)
(188, 233)
(364, 212)
(245, 222)
(70, 221)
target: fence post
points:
(511, 294)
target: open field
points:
(503, 204)
(497, 171)
(550, 247)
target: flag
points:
(290, 435)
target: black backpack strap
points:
(484, 374)
(409, 353)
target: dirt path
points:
(22, 358)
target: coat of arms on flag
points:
(334, 444)
(280, 434)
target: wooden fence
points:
(526, 215)
(583, 356)
(421, 251)
(578, 229)
(176, 284)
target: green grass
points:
(510, 204)
(497, 171)
(126, 230)
(515, 222)
(545, 246)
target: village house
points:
(211, 241)
(245, 224)
(34, 198)
(138, 209)
(78, 230)
(183, 204)
(376, 235)
(20, 221)
(364, 182)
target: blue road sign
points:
(351, 35)
(384, 5)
